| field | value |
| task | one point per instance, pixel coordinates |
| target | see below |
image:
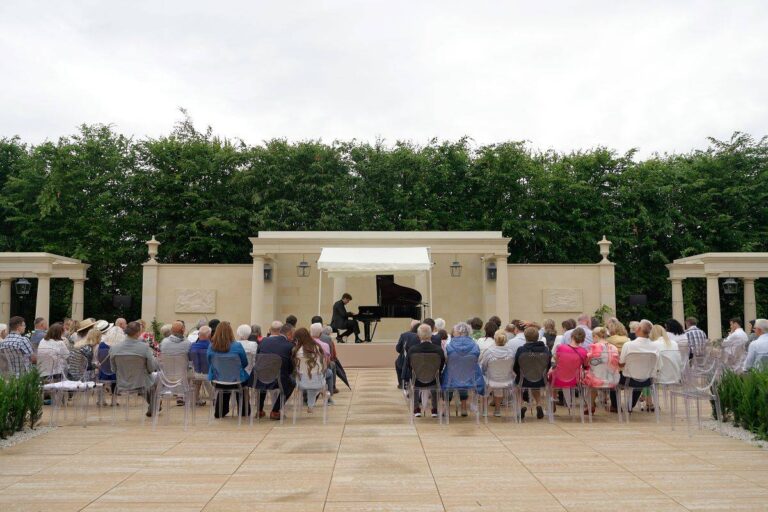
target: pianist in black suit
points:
(343, 320)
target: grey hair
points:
(243, 331)
(165, 330)
(439, 323)
(276, 326)
(201, 323)
(424, 332)
(327, 330)
(583, 318)
(646, 326)
(256, 329)
(462, 329)
(204, 332)
(315, 330)
(762, 324)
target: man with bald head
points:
(175, 344)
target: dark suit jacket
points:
(406, 341)
(281, 346)
(427, 348)
(340, 315)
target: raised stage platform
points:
(377, 354)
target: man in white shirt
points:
(641, 344)
(758, 349)
(585, 323)
(734, 346)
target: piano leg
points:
(367, 330)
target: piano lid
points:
(369, 261)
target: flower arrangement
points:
(149, 339)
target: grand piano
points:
(394, 301)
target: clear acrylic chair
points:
(226, 367)
(602, 376)
(568, 369)
(266, 379)
(499, 376)
(80, 390)
(129, 369)
(316, 385)
(425, 379)
(734, 356)
(461, 376)
(172, 381)
(533, 369)
(685, 352)
(638, 367)
(13, 363)
(669, 374)
(698, 384)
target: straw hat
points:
(85, 324)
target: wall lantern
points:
(302, 269)
(490, 271)
(23, 287)
(730, 286)
(455, 267)
(267, 271)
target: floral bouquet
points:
(149, 339)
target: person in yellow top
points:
(617, 333)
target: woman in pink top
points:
(570, 360)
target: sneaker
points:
(523, 410)
(434, 413)
(417, 412)
(539, 412)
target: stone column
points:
(678, 307)
(43, 296)
(502, 289)
(149, 290)
(607, 285)
(78, 299)
(750, 305)
(5, 300)
(257, 290)
(714, 329)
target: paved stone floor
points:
(369, 458)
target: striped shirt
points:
(697, 339)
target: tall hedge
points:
(98, 195)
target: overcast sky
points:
(657, 75)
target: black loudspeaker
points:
(121, 301)
(638, 300)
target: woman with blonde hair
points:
(670, 362)
(500, 350)
(605, 374)
(617, 333)
(310, 364)
(84, 348)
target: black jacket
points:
(281, 346)
(536, 347)
(340, 315)
(427, 348)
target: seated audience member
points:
(198, 354)
(194, 334)
(499, 350)
(112, 337)
(431, 324)
(675, 330)
(291, 319)
(550, 333)
(326, 337)
(444, 338)
(617, 333)
(223, 342)
(165, 331)
(3, 332)
(697, 339)
(496, 321)
(84, 349)
(175, 344)
(251, 347)
(751, 337)
(41, 327)
(532, 345)
(736, 337)
(122, 323)
(52, 353)
(407, 339)
(518, 335)
(316, 333)
(255, 333)
(757, 353)
(462, 344)
(569, 356)
(309, 360)
(601, 375)
(425, 346)
(477, 327)
(641, 344)
(585, 322)
(671, 353)
(487, 341)
(440, 326)
(282, 345)
(16, 340)
(132, 346)
(633, 329)
(213, 324)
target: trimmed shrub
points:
(744, 398)
(21, 402)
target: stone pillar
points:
(149, 282)
(257, 290)
(750, 305)
(5, 300)
(43, 296)
(339, 288)
(502, 289)
(678, 307)
(78, 299)
(714, 328)
(607, 285)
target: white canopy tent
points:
(341, 262)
